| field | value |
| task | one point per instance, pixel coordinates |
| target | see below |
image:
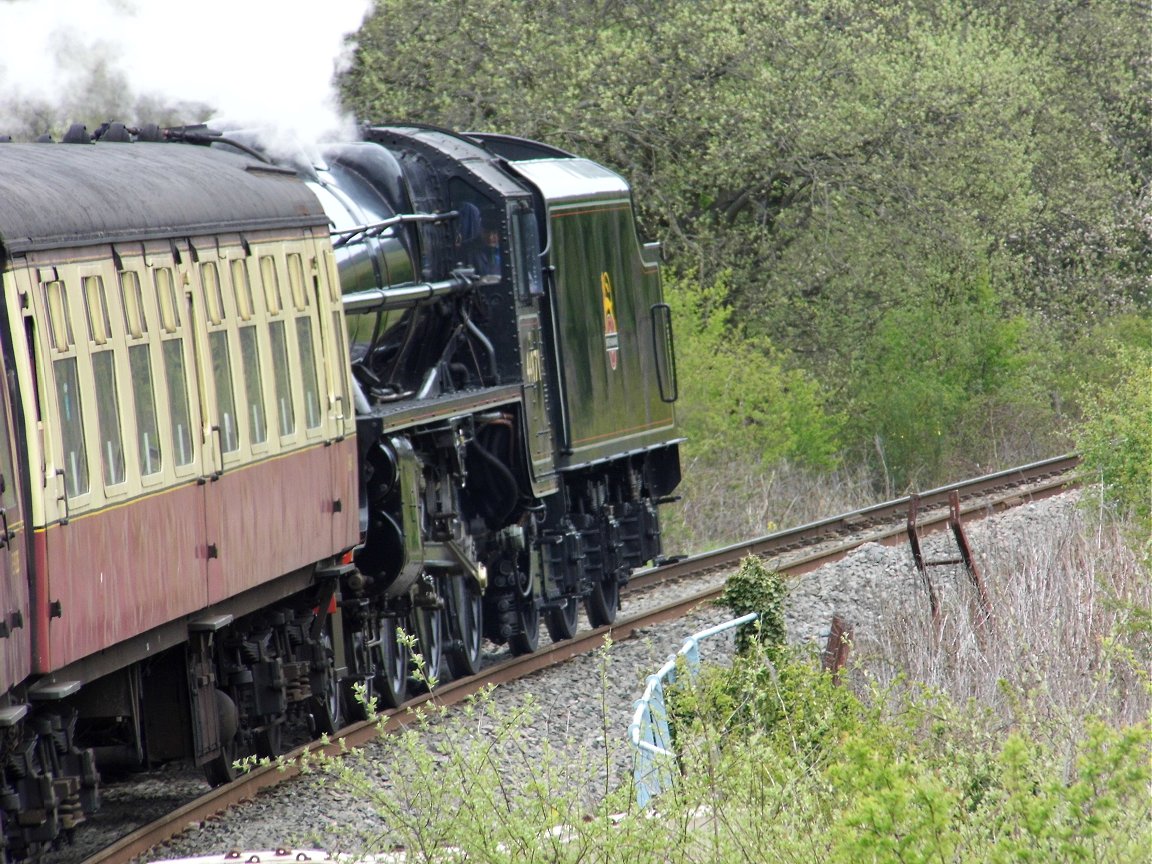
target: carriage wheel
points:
(220, 769)
(325, 703)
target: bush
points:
(740, 393)
(1115, 438)
(755, 588)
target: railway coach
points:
(257, 416)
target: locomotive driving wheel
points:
(467, 612)
(359, 648)
(523, 596)
(528, 617)
(392, 658)
(428, 622)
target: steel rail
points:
(1008, 488)
(1036, 480)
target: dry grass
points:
(727, 499)
(1070, 632)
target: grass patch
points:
(1028, 740)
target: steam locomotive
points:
(259, 417)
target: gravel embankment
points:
(583, 707)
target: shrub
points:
(1115, 438)
(755, 588)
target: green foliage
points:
(898, 815)
(1115, 439)
(755, 588)
(874, 207)
(937, 368)
(739, 393)
(918, 781)
(770, 698)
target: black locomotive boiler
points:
(258, 416)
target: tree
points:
(838, 169)
(1115, 439)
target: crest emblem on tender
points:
(611, 334)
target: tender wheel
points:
(392, 658)
(602, 601)
(562, 622)
(528, 639)
(467, 611)
(428, 623)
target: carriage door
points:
(209, 443)
(529, 286)
(15, 638)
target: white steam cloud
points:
(254, 62)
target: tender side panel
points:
(604, 296)
(180, 385)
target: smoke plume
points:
(251, 62)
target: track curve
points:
(793, 552)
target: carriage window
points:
(59, 323)
(98, 325)
(296, 281)
(341, 369)
(143, 394)
(71, 427)
(213, 297)
(242, 287)
(283, 382)
(166, 299)
(253, 386)
(9, 485)
(178, 413)
(271, 282)
(108, 416)
(225, 399)
(133, 304)
(333, 284)
(312, 413)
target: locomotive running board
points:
(404, 415)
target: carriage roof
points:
(54, 195)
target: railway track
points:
(793, 552)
